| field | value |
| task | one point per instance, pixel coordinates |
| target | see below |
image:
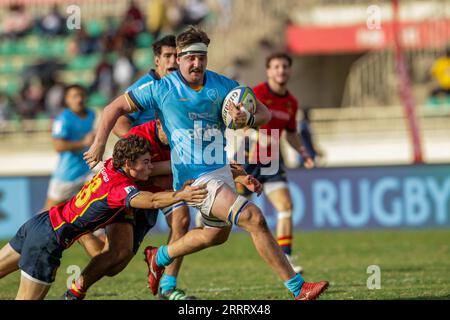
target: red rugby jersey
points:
(100, 200)
(283, 108)
(284, 112)
(158, 151)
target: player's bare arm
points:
(62, 145)
(111, 113)
(122, 126)
(293, 138)
(149, 200)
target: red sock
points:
(77, 290)
(285, 242)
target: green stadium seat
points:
(97, 100)
(143, 58)
(12, 87)
(6, 67)
(7, 48)
(32, 44)
(95, 28)
(144, 40)
(56, 48)
(84, 62)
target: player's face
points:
(166, 62)
(193, 67)
(75, 99)
(279, 71)
(141, 168)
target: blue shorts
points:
(144, 220)
(255, 170)
(40, 252)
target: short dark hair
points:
(129, 148)
(76, 87)
(278, 55)
(192, 35)
(168, 41)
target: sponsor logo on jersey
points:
(200, 116)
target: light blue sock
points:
(167, 283)
(162, 257)
(295, 284)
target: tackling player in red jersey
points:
(116, 232)
(283, 106)
(37, 247)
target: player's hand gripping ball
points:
(243, 100)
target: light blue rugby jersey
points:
(191, 119)
(141, 117)
(69, 126)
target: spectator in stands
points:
(72, 133)
(108, 38)
(44, 69)
(441, 74)
(83, 43)
(104, 81)
(17, 22)
(132, 24)
(124, 69)
(156, 17)
(5, 109)
(54, 99)
(195, 12)
(53, 23)
(31, 101)
(306, 136)
(174, 16)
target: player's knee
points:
(252, 218)
(122, 256)
(286, 206)
(181, 224)
(119, 262)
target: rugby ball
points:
(241, 94)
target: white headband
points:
(195, 48)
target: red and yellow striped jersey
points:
(100, 200)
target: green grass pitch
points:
(414, 264)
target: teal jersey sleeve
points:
(140, 117)
(142, 97)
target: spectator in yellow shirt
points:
(441, 73)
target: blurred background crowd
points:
(345, 72)
(39, 53)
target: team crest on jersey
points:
(213, 95)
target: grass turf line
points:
(415, 264)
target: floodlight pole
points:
(404, 86)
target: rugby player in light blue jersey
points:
(178, 218)
(189, 105)
(72, 135)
